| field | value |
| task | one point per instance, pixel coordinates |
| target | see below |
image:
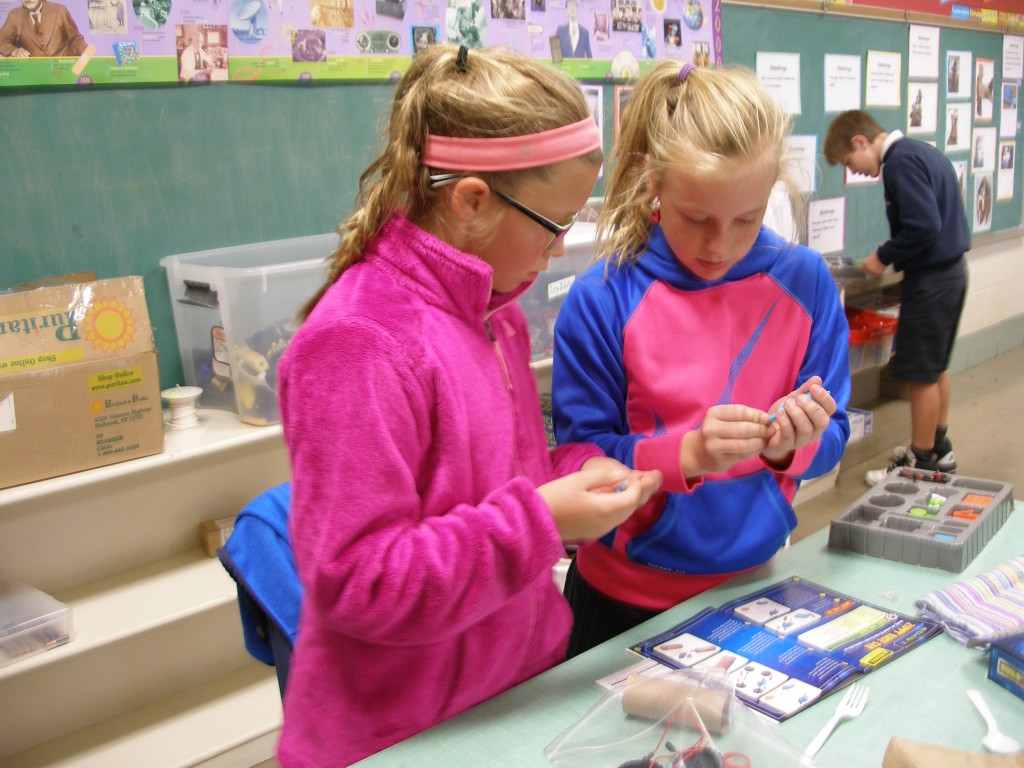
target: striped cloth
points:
(980, 609)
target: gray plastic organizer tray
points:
(924, 518)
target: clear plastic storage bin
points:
(234, 312)
(871, 338)
(542, 302)
(30, 622)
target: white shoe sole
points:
(946, 463)
(875, 476)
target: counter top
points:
(919, 696)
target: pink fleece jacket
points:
(416, 441)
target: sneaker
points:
(902, 456)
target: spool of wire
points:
(182, 402)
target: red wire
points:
(729, 759)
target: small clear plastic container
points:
(542, 302)
(234, 313)
(30, 622)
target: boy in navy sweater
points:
(928, 238)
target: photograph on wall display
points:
(423, 37)
(983, 154)
(983, 196)
(1007, 163)
(959, 77)
(202, 53)
(923, 101)
(958, 126)
(984, 84)
(1008, 110)
(960, 166)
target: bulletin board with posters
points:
(975, 126)
(122, 42)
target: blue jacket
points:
(639, 358)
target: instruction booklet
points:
(789, 644)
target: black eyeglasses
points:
(557, 230)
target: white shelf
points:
(136, 601)
(156, 673)
(228, 722)
(81, 528)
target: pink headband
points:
(512, 153)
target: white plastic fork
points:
(851, 706)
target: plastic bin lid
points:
(866, 325)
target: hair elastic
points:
(685, 71)
(512, 153)
(460, 59)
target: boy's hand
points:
(872, 266)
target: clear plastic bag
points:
(679, 718)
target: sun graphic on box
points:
(109, 325)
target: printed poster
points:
(1013, 57)
(779, 73)
(84, 42)
(923, 59)
(883, 79)
(842, 82)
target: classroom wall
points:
(993, 319)
(113, 180)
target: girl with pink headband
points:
(427, 509)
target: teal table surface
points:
(919, 696)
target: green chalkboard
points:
(113, 180)
(747, 30)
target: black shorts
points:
(930, 307)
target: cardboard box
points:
(79, 383)
(1006, 664)
(214, 533)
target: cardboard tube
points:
(657, 698)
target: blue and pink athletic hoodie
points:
(642, 353)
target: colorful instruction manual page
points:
(789, 644)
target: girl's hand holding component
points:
(587, 504)
(729, 434)
(798, 419)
